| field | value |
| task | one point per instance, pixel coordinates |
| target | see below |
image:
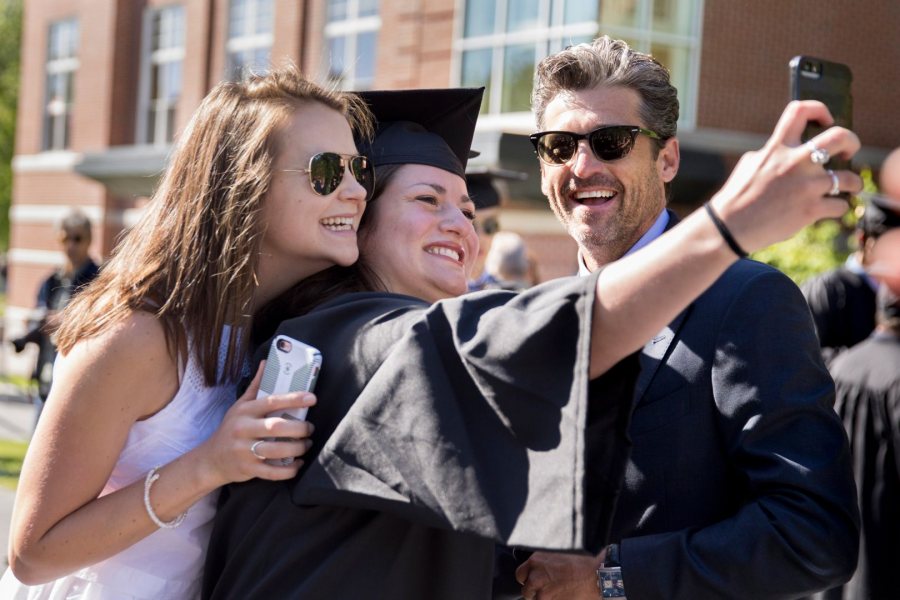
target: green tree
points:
(10, 42)
(819, 247)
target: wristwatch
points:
(609, 575)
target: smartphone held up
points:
(291, 366)
(829, 82)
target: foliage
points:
(12, 454)
(10, 42)
(819, 247)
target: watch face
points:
(610, 581)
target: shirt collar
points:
(656, 230)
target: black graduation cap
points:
(480, 182)
(881, 213)
(424, 127)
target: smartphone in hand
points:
(829, 82)
(291, 366)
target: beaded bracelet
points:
(153, 475)
(723, 231)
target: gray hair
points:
(609, 62)
(76, 221)
(507, 260)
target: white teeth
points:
(442, 251)
(338, 223)
(595, 194)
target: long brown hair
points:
(192, 258)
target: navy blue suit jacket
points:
(740, 482)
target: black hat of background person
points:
(424, 127)
(880, 214)
(480, 182)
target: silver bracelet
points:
(153, 475)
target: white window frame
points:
(349, 28)
(55, 134)
(247, 42)
(149, 58)
(643, 37)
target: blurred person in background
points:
(54, 294)
(508, 265)
(842, 300)
(482, 185)
(867, 382)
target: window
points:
(503, 40)
(249, 44)
(161, 77)
(62, 62)
(351, 36)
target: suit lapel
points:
(654, 352)
(656, 349)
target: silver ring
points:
(253, 448)
(818, 156)
(835, 183)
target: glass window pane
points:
(337, 10)
(518, 72)
(677, 60)
(619, 12)
(479, 18)
(264, 16)
(237, 16)
(673, 16)
(368, 8)
(261, 59)
(476, 72)
(336, 47)
(580, 11)
(365, 57)
(522, 15)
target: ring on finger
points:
(818, 156)
(254, 447)
(835, 183)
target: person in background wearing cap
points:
(487, 224)
(867, 382)
(842, 301)
(739, 484)
(54, 294)
(443, 428)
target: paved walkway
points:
(16, 421)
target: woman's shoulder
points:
(133, 349)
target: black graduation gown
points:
(867, 387)
(439, 430)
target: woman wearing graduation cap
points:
(443, 428)
(265, 187)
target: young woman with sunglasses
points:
(446, 427)
(116, 494)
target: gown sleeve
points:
(475, 421)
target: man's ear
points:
(668, 160)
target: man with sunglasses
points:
(77, 271)
(739, 483)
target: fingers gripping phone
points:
(291, 366)
(828, 82)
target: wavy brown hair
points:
(192, 258)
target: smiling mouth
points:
(444, 251)
(338, 223)
(595, 196)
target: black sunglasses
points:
(326, 171)
(608, 143)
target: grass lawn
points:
(11, 455)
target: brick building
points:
(107, 84)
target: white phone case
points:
(291, 366)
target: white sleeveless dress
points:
(168, 563)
